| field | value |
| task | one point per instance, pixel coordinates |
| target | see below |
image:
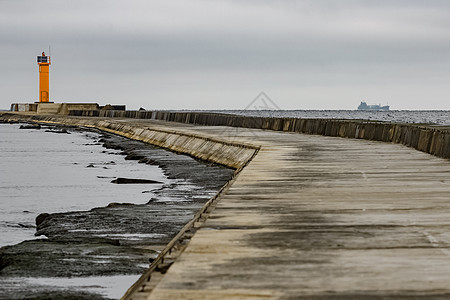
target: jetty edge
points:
(313, 216)
(429, 138)
(230, 154)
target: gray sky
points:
(218, 54)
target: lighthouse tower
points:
(44, 66)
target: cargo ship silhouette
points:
(365, 106)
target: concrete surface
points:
(433, 139)
(319, 217)
(51, 108)
(315, 217)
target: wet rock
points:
(54, 258)
(63, 130)
(143, 161)
(134, 156)
(117, 204)
(109, 145)
(41, 218)
(121, 180)
(30, 126)
(26, 225)
(42, 292)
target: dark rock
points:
(26, 225)
(63, 130)
(39, 293)
(134, 156)
(116, 204)
(40, 218)
(30, 126)
(121, 180)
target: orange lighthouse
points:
(44, 66)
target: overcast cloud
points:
(220, 54)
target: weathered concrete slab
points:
(320, 217)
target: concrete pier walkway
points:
(310, 217)
(320, 217)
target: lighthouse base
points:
(51, 108)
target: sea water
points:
(45, 172)
(439, 117)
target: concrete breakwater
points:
(233, 155)
(431, 139)
(309, 215)
(117, 217)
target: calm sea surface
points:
(441, 117)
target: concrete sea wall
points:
(431, 139)
(232, 155)
(51, 108)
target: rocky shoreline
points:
(119, 239)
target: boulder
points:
(121, 180)
(40, 218)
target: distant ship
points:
(364, 106)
